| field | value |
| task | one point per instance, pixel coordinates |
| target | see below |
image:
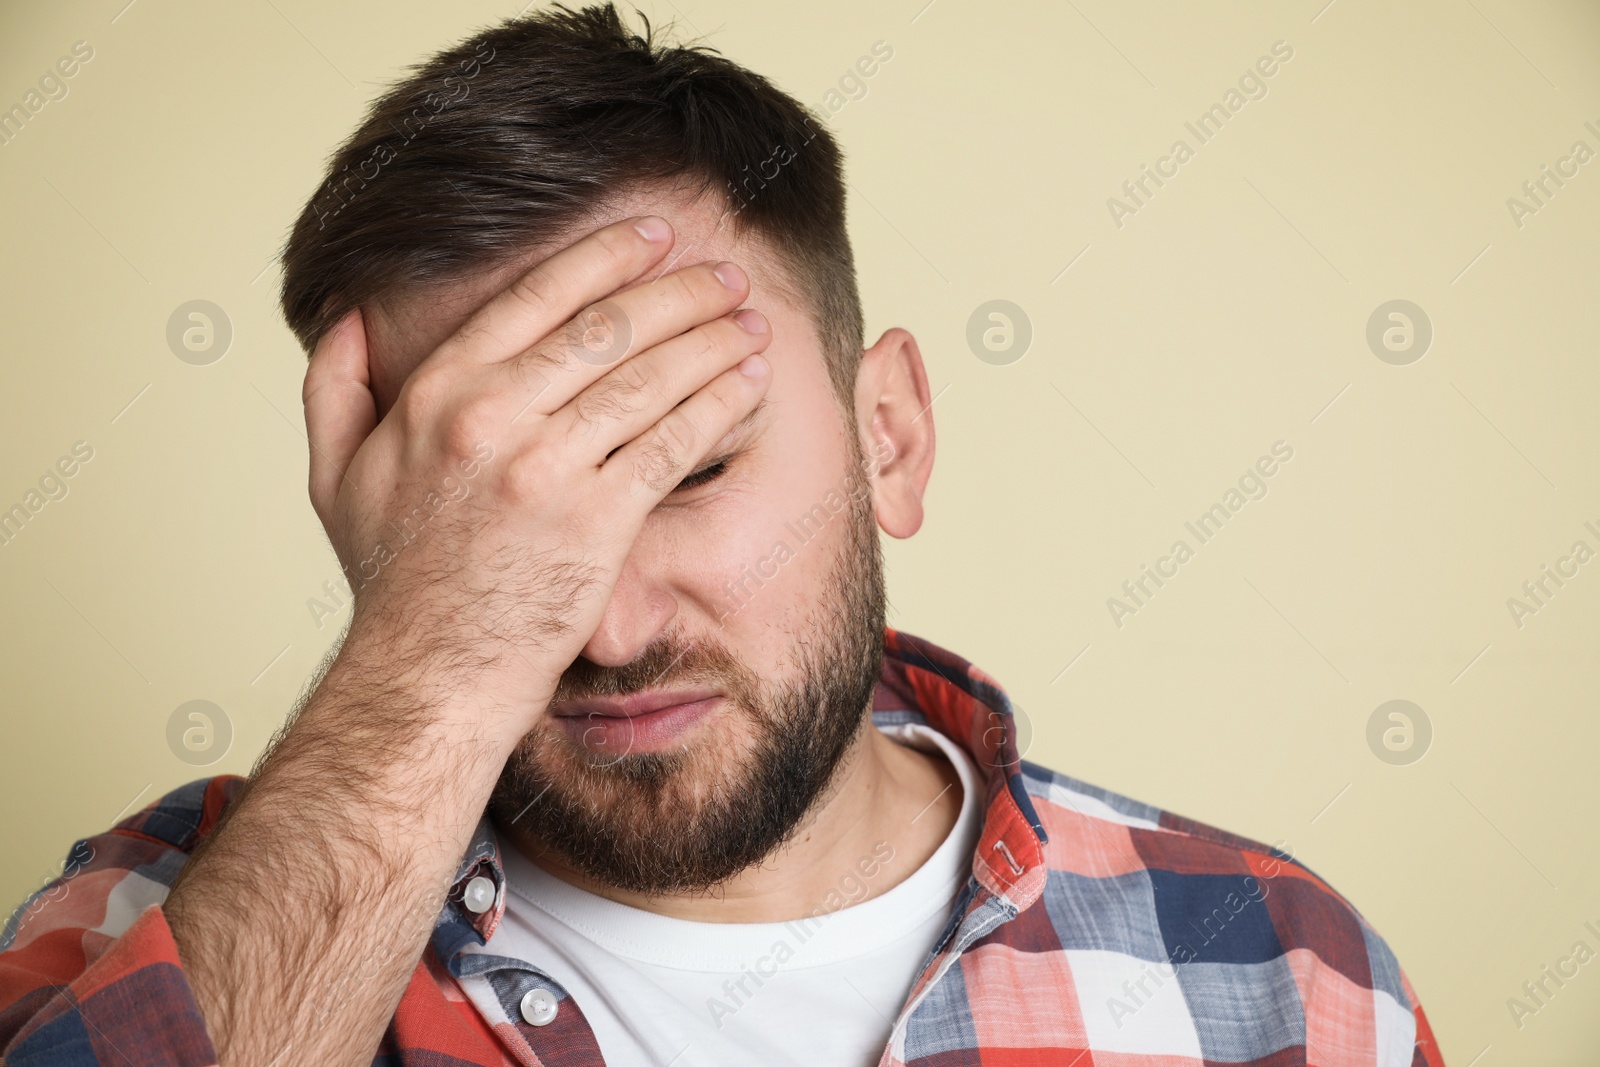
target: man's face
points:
(763, 584)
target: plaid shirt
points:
(1094, 931)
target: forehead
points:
(404, 328)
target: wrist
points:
(432, 676)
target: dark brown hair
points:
(493, 146)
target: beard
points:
(688, 819)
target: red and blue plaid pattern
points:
(1095, 932)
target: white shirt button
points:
(479, 895)
(539, 1006)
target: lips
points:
(644, 722)
(631, 706)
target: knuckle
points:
(707, 341)
(580, 431)
(473, 422)
(678, 436)
(528, 374)
(534, 289)
(656, 467)
(661, 463)
(619, 394)
(526, 476)
(313, 381)
(729, 398)
(678, 290)
(420, 397)
(549, 361)
(622, 244)
(630, 380)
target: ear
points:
(894, 414)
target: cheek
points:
(759, 553)
(749, 560)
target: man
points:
(617, 760)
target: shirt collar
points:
(917, 682)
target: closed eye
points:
(702, 476)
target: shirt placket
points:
(538, 1021)
(985, 912)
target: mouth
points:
(641, 722)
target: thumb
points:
(340, 409)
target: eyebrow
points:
(731, 442)
(719, 453)
(753, 417)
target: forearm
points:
(302, 916)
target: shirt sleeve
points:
(1359, 1007)
(1425, 1050)
(89, 972)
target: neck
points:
(889, 809)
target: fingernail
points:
(753, 366)
(751, 321)
(653, 228)
(729, 274)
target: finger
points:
(653, 463)
(605, 333)
(340, 408)
(596, 341)
(636, 394)
(551, 293)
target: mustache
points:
(671, 661)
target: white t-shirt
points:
(823, 990)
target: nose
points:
(639, 610)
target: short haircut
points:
(532, 126)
